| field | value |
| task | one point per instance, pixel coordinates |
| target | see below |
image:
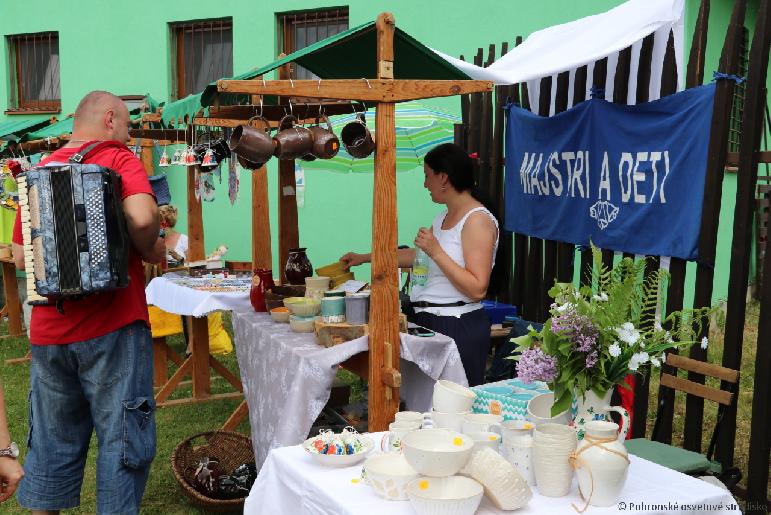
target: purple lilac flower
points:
(578, 328)
(534, 365)
(591, 358)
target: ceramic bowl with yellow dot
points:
(456, 495)
(437, 452)
(303, 306)
(389, 475)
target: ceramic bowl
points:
(302, 324)
(503, 484)
(451, 397)
(318, 282)
(437, 452)
(280, 314)
(451, 421)
(338, 460)
(274, 297)
(455, 495)
(539, 410)
(389, 475)
(303, 306)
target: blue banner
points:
(626, 178)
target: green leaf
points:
(562, 403)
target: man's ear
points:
(109, 119)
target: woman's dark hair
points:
(453, 160)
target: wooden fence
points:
(532, 265)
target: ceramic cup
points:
(481, 422)
(333, 310)
(517, 447)
(484, 439)
(451, 421)
(392, 440)
(357, 308)
(539, 410)
(409, 416)
(552, 446)
(452, 397)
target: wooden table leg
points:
(200, 357)
(160, 362)
(240, 413)
(12, 299)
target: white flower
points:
(704, 343)
(564, 307)
(627, 333)
(656, 362)
(614, 350)
(602, 297)
(663, 357)
(657, 326)
(668, 337)
(637, 359)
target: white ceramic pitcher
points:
(602, 463)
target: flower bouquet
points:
(599, 334)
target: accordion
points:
(74, 231)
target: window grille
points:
(34, 72)
(298, 30)
(204, 53)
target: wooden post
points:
(288, 233)
(741, 245)
(384, 311)
(261, 252)
(196, 249)
(200, 346)
(713, 190)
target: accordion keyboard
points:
(30, 219)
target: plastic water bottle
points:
(419, 268)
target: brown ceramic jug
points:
(325, 142)
(298, 267)
(292, 141)
(357, 139)
(251, 143)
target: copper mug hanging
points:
(251, 144)
(325, 142)
(357, 139)
(292, 141)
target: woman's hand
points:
(353, 259)
(426, 241)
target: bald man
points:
(92, 363)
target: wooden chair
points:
(682, 460)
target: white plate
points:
(339, 460)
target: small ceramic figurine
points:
(218, 253)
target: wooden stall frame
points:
(382, 364)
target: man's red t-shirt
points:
(100, 313)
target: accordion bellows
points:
(74, 231)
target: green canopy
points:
(16, 129)
(52, 131)
(351, 54)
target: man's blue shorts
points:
(104, 384)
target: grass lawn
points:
(163, 496)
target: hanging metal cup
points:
(357, 139)
(325, 142)
(292, 141)
(252, 144)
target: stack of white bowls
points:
(451, 403)
(552, 447)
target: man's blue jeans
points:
(104, 384)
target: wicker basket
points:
(231, 449)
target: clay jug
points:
(357, 139)
(292, 141)
(325, 143)
(262, 280)
(298, 267)
(602, 463)
(251, 143)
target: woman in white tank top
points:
(461, 244)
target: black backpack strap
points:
(91, 147)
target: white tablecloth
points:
(291, 482)
(182, 300)
(288, 376)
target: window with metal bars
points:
(740, 90)
(204, 53)
(34, 72)
(297, 30)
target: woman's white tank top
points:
(438, 288)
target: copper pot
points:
(357, 139)
(292, 141)
(252, 144)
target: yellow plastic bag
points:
(219, 339)
(163, 323)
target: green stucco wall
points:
(124, 47)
